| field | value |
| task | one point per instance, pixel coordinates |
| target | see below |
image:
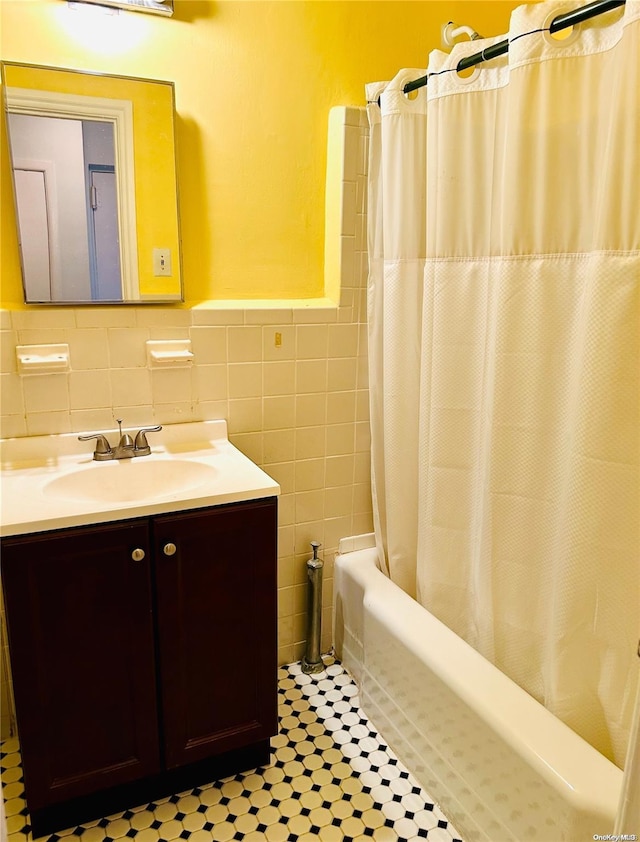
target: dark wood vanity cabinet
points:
(79, 612)
(143, 655)
(216, 610)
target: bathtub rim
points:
(589, 782)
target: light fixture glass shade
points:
(158, 7)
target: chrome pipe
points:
(312, 660)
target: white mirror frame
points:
(120, 114)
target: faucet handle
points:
(141, 444)
(103, 449)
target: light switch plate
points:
(162, 262)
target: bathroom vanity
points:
(143, 646)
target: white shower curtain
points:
(504, 246)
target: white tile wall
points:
(291, 382)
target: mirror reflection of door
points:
(68, 152)
(104, 246)
(102, 210)
(34, 226)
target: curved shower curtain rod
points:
(564, 21)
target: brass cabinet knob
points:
(169, 549)
(137, 555)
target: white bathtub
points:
(499, 764)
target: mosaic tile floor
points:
(332, 778)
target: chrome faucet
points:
(126, 448)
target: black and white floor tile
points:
(331, 778)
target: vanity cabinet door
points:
(216, 607)
(82, 655)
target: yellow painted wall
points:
(255, 80)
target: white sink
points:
(129, 480)
(52, 482)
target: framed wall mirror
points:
(95, 186)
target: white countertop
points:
(30, 503)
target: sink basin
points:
(128, 480)
(51, 482)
